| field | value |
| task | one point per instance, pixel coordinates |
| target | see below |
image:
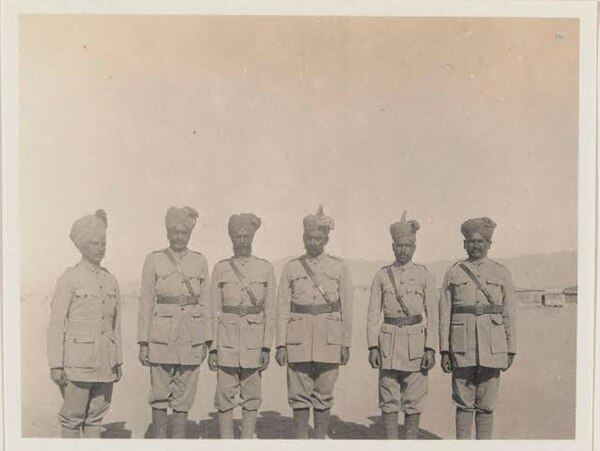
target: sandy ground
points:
(537, 397)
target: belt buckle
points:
(243, 310)
(478, 309)
(313, 309)
(182, 300)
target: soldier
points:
(243, 295)
(84, 336)
(404, 347)
(477, 329)
(174, 323)
(314, 326)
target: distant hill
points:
(558, 270)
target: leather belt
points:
(403, 320)
(316, 309)
(478, 309)
(242, 310)
(177, 300)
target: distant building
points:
(557, 297)
(571, 295)
(529, 296)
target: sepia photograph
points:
(268, 226)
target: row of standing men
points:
(233, 318)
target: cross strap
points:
(312, 276)
(186, 279)
(474, 278)
(245, 286)
(403, 305)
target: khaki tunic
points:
(175, 334)
(84, 335)
(239, 339)
(402, 348)
(314, 338)
(481, 340)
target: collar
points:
(477, 262)
(90, 266)
(179, 255)
(404, 267)
(318, 258)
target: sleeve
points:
(117, 327)
(215, 305)
(284, 299)
(147, 294)
(59, 311)
(270, 308)
(445, 310)
(206, 300)
(347, 299)
(431, 312)
(510, 314)
(374, 312)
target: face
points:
(477, 246)
(179, 237)
(314, 242)
(404, 249)
(242, 243)
(94, 249)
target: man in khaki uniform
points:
(403, 347)
(174, 323)
(243, 294)
(314, 326)
(477, 329)
(84, 335)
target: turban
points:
(244, 223)
(89, 228)
(185, 216)
(484, 226)
(404, 228)
(318, 221)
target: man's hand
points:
(446, 362)
(58, 376)
(511, 357)
(213, 360)
(281, 356)
(265, 357)
(119, 372)
(428, 359)
(143, 354)
(345, 354)
(375, 358)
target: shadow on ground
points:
(273, 425)
(115, 430)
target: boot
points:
(464, 423)
(484, 423)
(411, 426)
(159, 423)
(248, 423)
(66, 432)
(226, 424)
(390, 424)
(301, 423)
(91, 431)
(179, 422)
(321, 418)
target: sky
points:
(448, 118)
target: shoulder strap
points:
(312, 276)
(186, 279)
(474, 278)
(403, 305)
(245, 286)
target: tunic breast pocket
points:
(110, 304)
(301, 286)
(462, 291)
(259, 289)
(80, 349)
(498, 343)
(231, 291)
(160, 328)
(196, 282)
(86, 305)
(496, 289)
(458, 336)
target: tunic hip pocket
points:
(80, 350)
(498, 343)
(197, 329)
(334, 332)
(385, 343)
(228, 334)
(416, 344)
(160, 328)
(253, 333)
(296, 331)
(458, 336)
